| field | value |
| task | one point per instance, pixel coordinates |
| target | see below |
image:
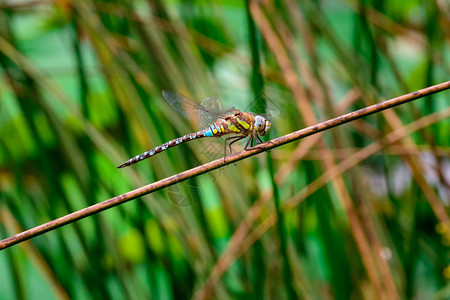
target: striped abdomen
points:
(186, 138)
(236, 123)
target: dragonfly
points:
(232, 122)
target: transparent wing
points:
(205, 114)
(212, 104)
(265, 105)
(184, 194)
(211, 111)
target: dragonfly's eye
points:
(261, 125)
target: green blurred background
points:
(344, 214)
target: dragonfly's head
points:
(262, 125)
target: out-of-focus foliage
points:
(347, 213)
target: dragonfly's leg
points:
(258, 140)
(249, 142)
(233, 140)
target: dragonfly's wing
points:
(212, 110)
(265, 105)
(212, 104)
(181, 104)
(204, 114)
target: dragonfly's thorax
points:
(242, 123)
(238, 122)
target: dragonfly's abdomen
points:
(175, 142)
(240, 123)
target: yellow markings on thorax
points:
(243, 123)
(233, 128)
